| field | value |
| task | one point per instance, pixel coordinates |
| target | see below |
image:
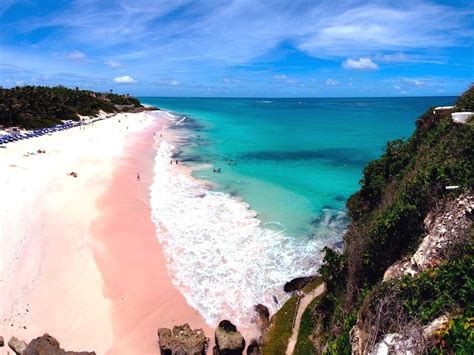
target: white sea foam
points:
(218, 253)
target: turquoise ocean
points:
(292, 163)
(295, 159)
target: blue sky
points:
(240, 48)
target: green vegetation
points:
(397, 192)
(449, 288)
(280, 329)
(444, 289)
(455, 337)
(466, 101)
(40, 106)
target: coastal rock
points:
(182, 340)
(396, 270)
(2, 342)
(229, 341)
(48, 345)
(298, 283)
(444, 227)
(263, 317)
(18, 346)
(253, 348)
(412, 341)
(358, 339)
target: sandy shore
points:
(79, 258)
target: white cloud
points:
(170, 82)
(126, 79)
(113, 64)
(284, 78)
(332, 82)
(240, 31)
(76, 55)
(363, 63)
(416, 82)
(395, 57)
(412, 58)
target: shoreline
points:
(130, 257)
(49, 255)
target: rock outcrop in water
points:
(229, 341)
(263, 317)
(298, 283)
(182, 340)
(253, 348)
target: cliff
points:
(411, 221)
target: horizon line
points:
(294, 97)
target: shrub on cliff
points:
(466, 101)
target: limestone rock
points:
(182, 340)
(48, 345)
(229, 341)
(396, 270)
(18, 346)
(297, 284)
(443, 227)
(409, 344)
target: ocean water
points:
(287, 168)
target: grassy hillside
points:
(397, 191)
(40, 106)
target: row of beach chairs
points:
(8, 138)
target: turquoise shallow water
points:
(296, 160)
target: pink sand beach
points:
(79, 257)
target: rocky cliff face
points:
(446, 226)
(447, 229)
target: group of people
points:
(228, 162)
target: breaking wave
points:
(219, 255)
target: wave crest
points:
(218, 253)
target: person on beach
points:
(176, 162)
(138, 177)
(171, 162)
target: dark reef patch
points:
(335, 156)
